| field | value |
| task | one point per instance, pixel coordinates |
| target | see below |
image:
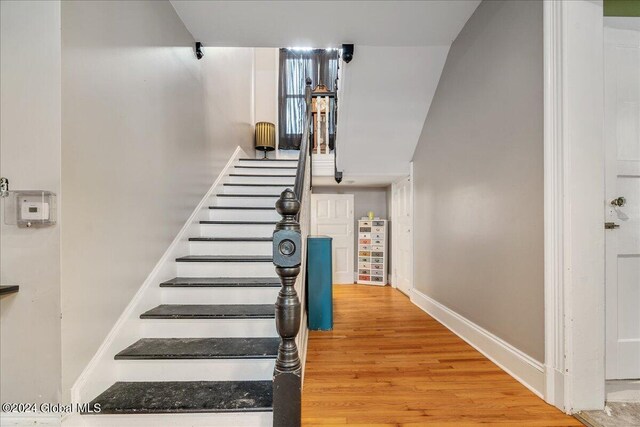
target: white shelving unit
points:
(372, 252)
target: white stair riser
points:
(240, 295)
(231, 248)
(276, 189)
(269, 164)
(244, 215)
(236, 419)
(207, 328)
(236, 230)
(264, 171)
(226, 269)
(195, 370)
(284, 180)
(267, 202)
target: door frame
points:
(314, 217)
(393, 217)
(574, 204)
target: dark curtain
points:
(295, 66)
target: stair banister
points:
(304, 143)
(288, 256)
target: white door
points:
(332, 215)
(401, 230)
(622, 142)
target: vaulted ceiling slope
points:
(401, 48)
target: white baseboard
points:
(520, 366)
(9, 419)
(100, 372)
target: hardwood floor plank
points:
(387, 363)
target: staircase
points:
(211, 344)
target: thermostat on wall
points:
(30, 208)
(34, 210)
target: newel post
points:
(287, 257)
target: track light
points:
(347, 52)
(199, 52)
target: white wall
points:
(478, 178)
(146, 129)
(266, 89)
(30, 159)
(266, 84)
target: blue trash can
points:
(319, 283)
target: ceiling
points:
(324, 23)
(385, 91)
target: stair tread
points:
(231, 239)
(185, 397)
(248, 195)
(206, 282)
(266, 208)
(211, 311)
(201, 348)
(239, 222)
(225, 258)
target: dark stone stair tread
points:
(249, 195)
(211, 311)
(156, 397)
(214, 282)
(247, 208)
(231, 239)
(225, 258)
(240, 222)
(200, 348)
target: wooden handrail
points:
(304, 143)
(287, 258)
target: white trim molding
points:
(554, 184)
(528, 371)
(574, 204)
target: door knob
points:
(611, 225)
(619, 202)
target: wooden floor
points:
(387, 363)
